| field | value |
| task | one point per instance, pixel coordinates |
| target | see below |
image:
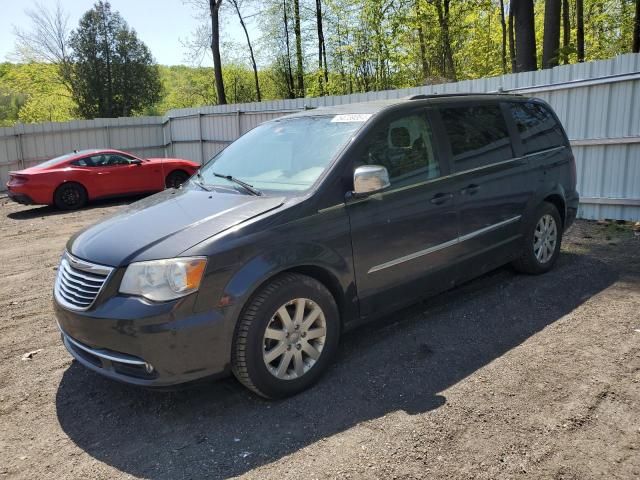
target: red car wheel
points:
(70, 196)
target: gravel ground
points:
(508, 376)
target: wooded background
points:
(302, 48)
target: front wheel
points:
(286, 336)
(542, 240)
(176, 178)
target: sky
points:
(160, 24)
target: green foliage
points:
(371, 45)
(32, 93)
(376, 44)
(112, 72)
(608, 26)
(185, 87)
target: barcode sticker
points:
(352, 117)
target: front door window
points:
(405, 147)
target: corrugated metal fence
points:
(598, 103)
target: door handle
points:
(470, 189)
(440, 198)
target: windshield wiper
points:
(249, 188)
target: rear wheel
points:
(70, 196)
(286, 336)
(542, 241)
(176, 178)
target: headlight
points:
(162, 280)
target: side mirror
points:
(136, 161)
(370, 179)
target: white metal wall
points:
(598, 103)
(199, 136)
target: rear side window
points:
(478, 135)
(538, 128)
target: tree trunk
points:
(525, 35)
(326, 65)
(423, 47)
(339, 57)
(253, 59)
(635, 48)
(503, 25)
(551, 40)
(443, 19)
(580, 29)
(322, 55)
(512, 43)
(298, 35)
(108, 105)
(566, 31)
(214, 7)
(290, 84)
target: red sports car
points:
(71, 180)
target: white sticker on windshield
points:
(352, 117)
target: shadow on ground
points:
(402, 362)
(50, 210)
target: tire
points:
(176, 178)
(253, 347)
(545, 226)
(70, 196)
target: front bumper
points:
(148, 344)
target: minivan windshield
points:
(283, 155)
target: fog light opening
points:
(148, 368)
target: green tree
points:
(29, 93)
(113, 72)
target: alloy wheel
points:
(545, 238)
(70, 196)
(294, 339)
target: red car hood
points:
(162, 159)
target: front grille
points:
(78, 282)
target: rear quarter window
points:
(537, 126)
(477, 134)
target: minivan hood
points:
(165, 225)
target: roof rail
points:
(424, 96)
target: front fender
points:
(315, 260)
(243, 259)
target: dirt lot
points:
(509, 376)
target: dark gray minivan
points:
(308, 225)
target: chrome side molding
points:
(440, 246)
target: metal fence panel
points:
(220, 127)
(249, 121)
